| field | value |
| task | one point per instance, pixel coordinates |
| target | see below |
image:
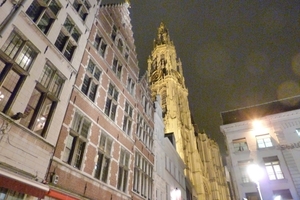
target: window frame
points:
(91, 80)
(263, 141)
(82, 7)
(273, 168)
(237, 145)
(100, 45)
(111, 104)
(104, 158)
(128, 118)
(43, 9)
(76, 140)
(13, 75)
(117, 68)
(123, 172)
(40, 111)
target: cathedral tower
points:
(165, 77)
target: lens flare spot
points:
(296, 64)
(288, 89)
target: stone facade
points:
(165, 75)
(265, 135)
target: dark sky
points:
(234, 53)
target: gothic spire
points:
(162, 35)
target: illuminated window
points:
(43, 100)
(44, 13)
(243, 165)
(240, 145)
(273, 168)
(14, 67)
(91, 80)
(76, 141)
(264, 141)
(123, 170)
(298, 131)
(103, 162)
(111, 102)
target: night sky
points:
(234, 53)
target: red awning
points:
(23, 186)
(59, 195)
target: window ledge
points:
(278, 181)
(242, 152)
(266, 148)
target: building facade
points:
(105, 147)
(165, 75)
(265, 135)
(39, 58)
(169, 178)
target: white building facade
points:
(270, 139)
(169, 179)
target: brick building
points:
(105, 144)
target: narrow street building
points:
(267, 136)
(40, 54)
(105, 147)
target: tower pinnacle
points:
(162, 35)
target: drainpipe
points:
(11, 16)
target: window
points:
(111, 102)
(240, 145)
(126, 55)
(264, 141)
(127, 118)
(144, 132)
(14, 72)
(91, 80)
(103, 162)
(6, 194)
(117, 68)
(284, 194)
(123, 170)
(72, 29)
(100, 45)
(114, 33)
(273, 168)
(43, 13)
(130, 85)
(120, 45)
(77, 140)
(19, 50)
(67, 38)
(82, 7)
(43, 100)
(142, 180)
(243, 165)
(298, 131)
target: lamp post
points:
(255, 174)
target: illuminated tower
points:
(166, 79)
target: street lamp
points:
(255, 174)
